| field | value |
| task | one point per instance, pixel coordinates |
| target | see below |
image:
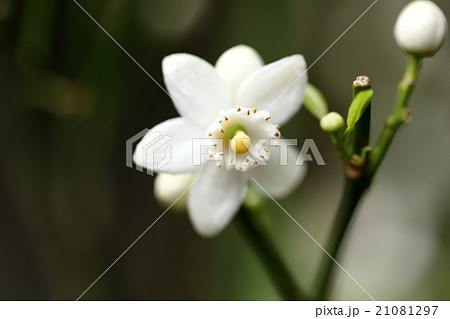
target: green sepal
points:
(315, 102)
(357, 108)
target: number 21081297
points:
(406, 310)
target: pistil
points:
(241, 143)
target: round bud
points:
(421, 28)
(169, 187)
(332, 122)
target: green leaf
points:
(315, 102)
(357, 108)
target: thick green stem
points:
(399, 116)
(354, 189)
(361, 133)
(278, 271)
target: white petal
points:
(196, 89)
(215, 198)
(236, 64)
(170, 190)
(277, 178)
(278, 87)
(167, 147)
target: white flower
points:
(170, 189)
(421, 28)
(227, 108)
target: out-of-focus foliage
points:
(70, 98)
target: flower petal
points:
(167, 147)
(170, 190)
(279, 177)
(236, 64)
(196, 89)
(215, 198)
(278, 87)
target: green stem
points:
(358, 179)
(278, 271)
(354, 189)
(399, 116)
(339, 143)
(361, 133)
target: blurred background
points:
(70, 98)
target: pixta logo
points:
(153, 156)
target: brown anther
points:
(277, 127)
(266, 149)
(226, 118)
(240, 168)
(220, 121)
(222, 131)
(248, 112)
(255, 162)
(247, 160)
(221, 154)
(262, 156)
(209, 134)
(238, 109)
(267, 118)
(210, 156)
(253, 110)
(218, 164)
(277, 134)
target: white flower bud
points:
(168, 187)
(421, 28)
(332, 122)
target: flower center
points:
(241, 143)
(240, 138)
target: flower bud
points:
(332, 122)
(421, 28)
(169, 187)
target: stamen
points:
(248, 112)
(277, 134)
(267, 118)
(226, 118)
(238, 109)
(209, 134)
(277, 127)
(240, 168)
(254, 110)
(219, 164)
